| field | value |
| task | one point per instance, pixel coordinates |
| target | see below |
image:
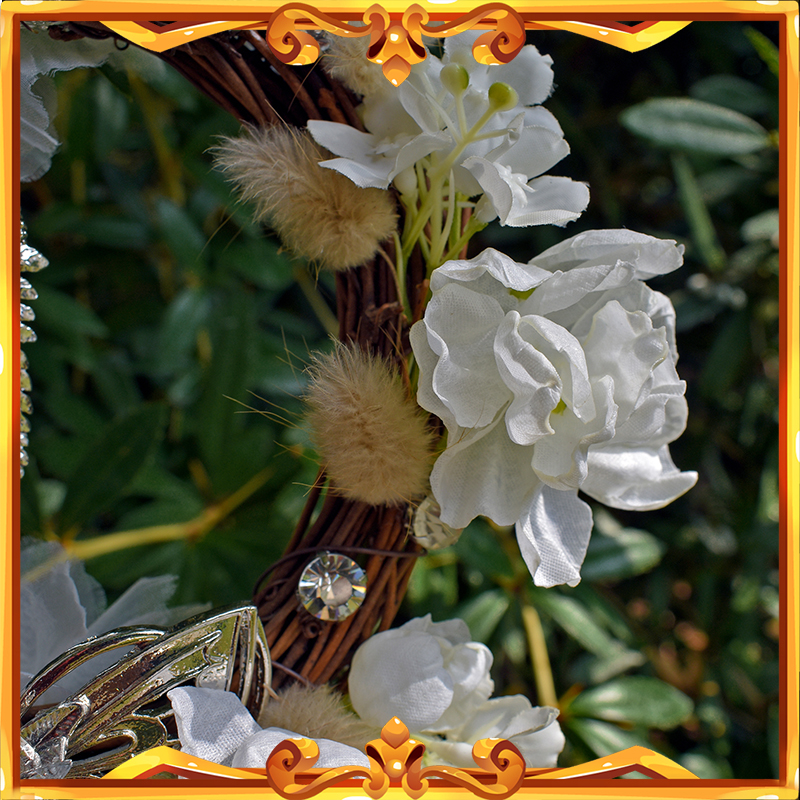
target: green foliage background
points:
(166, 312)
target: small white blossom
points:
(534, 731)
(429, 674)
(483, 122)
(550, 377)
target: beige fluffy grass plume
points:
(371, 438)
(316, 712)
(319, 214)
(346, 60)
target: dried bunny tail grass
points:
(373, 440)
(346, 60)
(317, 712)
(319, 214)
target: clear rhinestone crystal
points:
(428, 530)
(26, 291)
(26, 334)
(332, 587)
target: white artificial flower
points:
(451, 110)
(554, 376)
(432, 677)
(214, 725)
(535, 732)
(519, 202)
(40, 57)
(429, 674)
(61, 605)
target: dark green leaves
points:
(112, 462)
(621, 554)
(681, 123)
(637, 699)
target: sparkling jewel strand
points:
(30, 260)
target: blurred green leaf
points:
(731, 92)
(232, 328)
(603, 738)
(479, 548)
(768, 52)
(637, 699)
(626, 552)
(720, 183)
(483, 613)
(681, 123)
(704, 234)
(177, 338)
(762, 226)
(113, 460)
(113, 231)
(573, 616)
(258, 261)
(62, 313)
(184, 238)
(727, 356)
(706, 766)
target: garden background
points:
(173, 334)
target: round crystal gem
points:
(332, 587)
(428, 530)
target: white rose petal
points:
(427, 674)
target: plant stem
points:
(320, 308)
(208, 519)
(537, 645)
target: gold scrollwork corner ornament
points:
(395, 44)
(396, 760)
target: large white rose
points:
(554, 376)
(429, 674)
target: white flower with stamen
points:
(453, 115)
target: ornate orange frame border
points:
(594, 18)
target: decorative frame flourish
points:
(287, 23)
(395, 762)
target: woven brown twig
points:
(239, 72)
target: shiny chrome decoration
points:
(332, 587)
(428, 530)
(124, 710)
(30, 260)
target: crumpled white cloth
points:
(61, 605)
(215, 725)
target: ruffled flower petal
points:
(400, 673)
(462, 325)
(635, 479)
(482, 472)
(534, 731)
(553, 534)
(583, 367)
